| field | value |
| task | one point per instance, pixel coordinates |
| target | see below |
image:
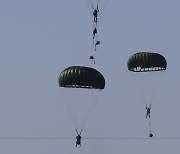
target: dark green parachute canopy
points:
(146, 62)
(81, 77)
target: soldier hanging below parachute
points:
(95, 14)
(81, 87)
(147, 68)
(78, 138)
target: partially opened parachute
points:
(148, 69)
(81, 87)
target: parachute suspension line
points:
(80, 103)
(66, 93)
(140, 90)
(150, 130)
(94, 6)
(149, 125)
(91, 4)
(91, 95)
(141, 83)
(78, 133)
(105, 5)
(157, 87)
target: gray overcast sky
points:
(40, 38)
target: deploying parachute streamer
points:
(96, 9)
(81, 87)
(148, 69)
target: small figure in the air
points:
(94, 33)
(97, 43)
(148, 111)
(78, 140)
(92, 57)
(95, 14)
(150, 135)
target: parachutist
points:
(95, 14)
(78, 140)
(148, 110)
(97, 43)
(150, 135)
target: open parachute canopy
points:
(146, 62)
(81, 87)
(148, 69)
(81, 77)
